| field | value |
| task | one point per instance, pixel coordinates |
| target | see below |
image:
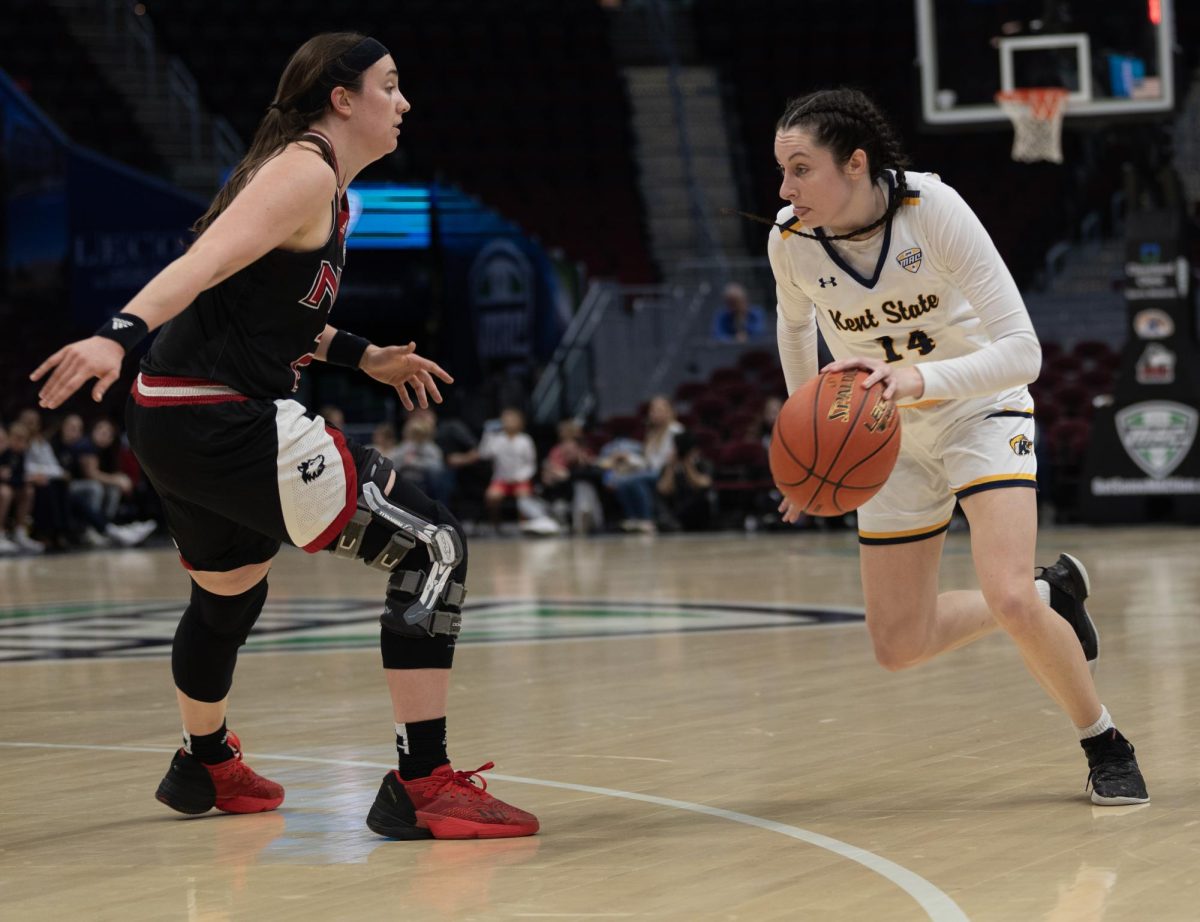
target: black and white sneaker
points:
(1115, 778)
(1064, 587)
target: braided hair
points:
(844, 120)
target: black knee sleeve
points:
(207, 640)
(403, 652)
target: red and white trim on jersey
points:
(160, 391)
(329, 535)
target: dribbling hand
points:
(789, 513)
(94, 357)
(898, 383)
(401, 367)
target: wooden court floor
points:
(698, 722)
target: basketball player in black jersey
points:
(241, 467)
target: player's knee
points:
(429, 644)
(1015, 606)
(210, 632)
(896, 649)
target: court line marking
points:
(937, 905)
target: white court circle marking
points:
(937, 905)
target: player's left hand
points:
(401, 367)
(72, 365)
(898, 382)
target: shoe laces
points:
(1114, 760)
(461, 783)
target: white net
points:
(1037, 117)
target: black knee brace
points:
(377, 543)
(425, 597)
(207, 640)
(411, 647)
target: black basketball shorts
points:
(239, 476)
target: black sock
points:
(210, 748)
(421, 746)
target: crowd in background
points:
(655, 478)
(66, 485)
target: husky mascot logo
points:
(311, 469)
(1020, 445)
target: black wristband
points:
(125, 329)
(346, 349)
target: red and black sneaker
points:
(445, 805)
(192, 787)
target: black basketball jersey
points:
(254, 331)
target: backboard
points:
(1114, 57)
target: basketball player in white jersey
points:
(904, 282)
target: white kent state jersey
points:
(928, 288)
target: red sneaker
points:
(445, 805)
(192, 787)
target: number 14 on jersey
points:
(918, 342)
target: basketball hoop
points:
(1037, 116)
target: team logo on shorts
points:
(1020, 445)
(311, 469)
(910, 259)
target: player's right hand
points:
(94, 357)
(788, 512)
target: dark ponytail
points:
(843, 121)
(301, 98)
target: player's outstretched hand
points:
(898, 383)
(94, 357)
(401, 367)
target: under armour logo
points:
(120, 323)
(831, 281)
(311, 469)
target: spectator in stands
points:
(89, 489)
(467, 474)
(419, 459)
(514, 462)
(383, 439)
(12, 472)
(50, 504)
(685, 488)
(770, 412)
(738, 320)
(106, 467)
(333, 415)
(661, 429)
(7, 546)
(568, 479)
(634, 474)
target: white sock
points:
(1102, 724)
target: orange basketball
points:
(835, 443)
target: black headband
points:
(362, 55)
(342, 70)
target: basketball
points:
(835, 443)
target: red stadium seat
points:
(689, 391)
(758, 361)
(724, 376)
